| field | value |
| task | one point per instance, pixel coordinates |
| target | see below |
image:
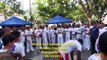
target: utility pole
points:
(30, 9)
(30, 12)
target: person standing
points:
(6, 52)
(102, 29)
(86, 44)
(94, 32)
(18, 48)
(67, 33)
(52, 35)
(29, 35)
(22, 35)
(59, 32)
(102, 43)
(38, 36)
(45, 37)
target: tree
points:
(66, 8)
(10, 7)
(94, 7)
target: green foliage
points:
(10, 7)
(94, 7)
(65, 8)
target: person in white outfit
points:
(78, 32)
(73, 33)
(86, 44)
(48, 31)
(38, 33)
(69, 47)
(29, 35)
(52, 35)
(45, 37)
(83, 27)
(18, 48)
(59, 32)
(67, 33)
(22, 35)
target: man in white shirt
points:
(78, 32)
(29, 35)
(22, 35)
(38, 35)
(68, 48)
(18, 47)
(52, 35)
(59, 32)
(67, 33)
(45, 37)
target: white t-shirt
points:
(67, 32)
(37, 32)
(28, 33)
(59, 30)
(52, 33)
(72, 30)
(70, 46)
(94, 57)
(22, 37)
(45, 32)
(19, 48)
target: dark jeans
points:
(93, 41)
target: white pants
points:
(78, 36)
(45, 42)
(53, 39)
(60, 39)
(83, 36)
(29, 45)
(38, 42)
(86, 44)
(67, 38)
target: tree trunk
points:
(86, 11)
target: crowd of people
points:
(75, 37)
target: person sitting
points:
(69, 47)
(102, 43)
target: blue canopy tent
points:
(58, 19)
(14, 21)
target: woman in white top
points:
(102, 48)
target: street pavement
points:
(36, 55)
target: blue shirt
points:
(95, 32)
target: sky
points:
(25, 4)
